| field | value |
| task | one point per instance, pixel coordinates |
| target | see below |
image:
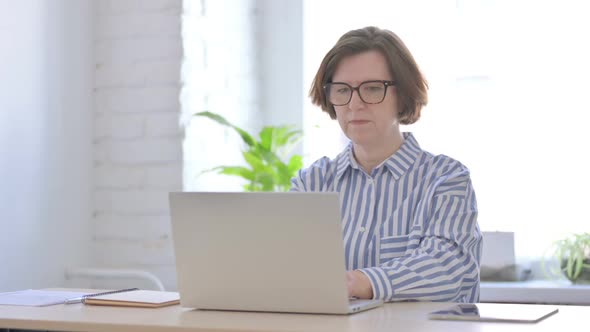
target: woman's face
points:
(367, 124)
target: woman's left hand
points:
(359, 285)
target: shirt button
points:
(362, 229)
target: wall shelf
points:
(541, 291)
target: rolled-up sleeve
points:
(441, 260)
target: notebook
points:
(38, 297)
(272, 251)
(136, 298)
(495, 312)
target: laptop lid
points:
(278, 252)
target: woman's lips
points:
(359, 122)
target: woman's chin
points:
(361, 139)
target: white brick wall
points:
(138, 146)
(137, 138)
(137, 74)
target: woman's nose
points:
(355, 100)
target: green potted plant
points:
(267, 168)
(573, 256)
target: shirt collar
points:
(397, 164)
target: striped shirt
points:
(410, 226)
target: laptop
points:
(271, 252)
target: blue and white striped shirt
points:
(410, 226)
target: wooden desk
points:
(391, 317)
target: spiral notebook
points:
(135, 298)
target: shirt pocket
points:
(392, 247)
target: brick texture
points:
(152, 57)
(137, 134)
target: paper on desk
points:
(37, 298)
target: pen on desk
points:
(81, 299)
(74, 300)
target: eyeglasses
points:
(371, 92)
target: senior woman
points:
(409, 217)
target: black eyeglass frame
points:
(352, 89)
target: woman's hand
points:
(359, 285)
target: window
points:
(507, 85)
(219, 74)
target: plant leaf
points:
(295, 164)
(284, 137)
(268, 156)
(247, 138)
(569, 268)
(265, 157)
(266, 180)
(291, 137)
(253, 160)
(237, 171)
(266, 137)
(579, 261)
(250, 187)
